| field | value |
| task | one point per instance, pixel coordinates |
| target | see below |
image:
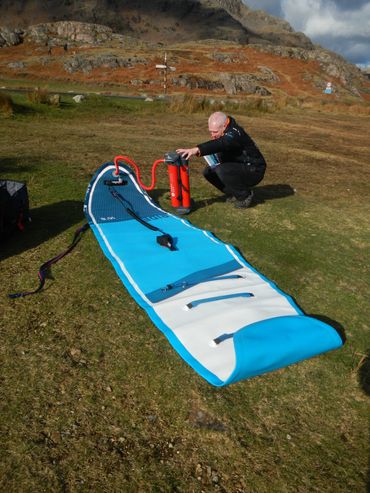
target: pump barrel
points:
(178, 172)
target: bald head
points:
(217, 119)
(216, 124)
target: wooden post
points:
(165, 67)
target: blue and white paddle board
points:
(222, 316)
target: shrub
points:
(189, 104)
(6, 105)
(54, 100)
(39, 96)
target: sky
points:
(342, 26)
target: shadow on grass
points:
(157, 193)
(47, 222)
(20, 109)
(11, 165)
(364, 376)
(271, 192)
(261, 195)
(333, 323)
(364, 380)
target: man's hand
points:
(187, 153)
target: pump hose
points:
(137, 170)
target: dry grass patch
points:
(94, 398)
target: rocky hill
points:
(165, 21)
(218, 46)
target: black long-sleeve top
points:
(235, 145)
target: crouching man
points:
(234, 162)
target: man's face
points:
(216, 130)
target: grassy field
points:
(94, 398)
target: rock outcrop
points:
(263, 28)
(232, 84)
(331, 64)
(10, 37)
(86, 63)
(72, 32)
(166, 21)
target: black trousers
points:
(235, 178)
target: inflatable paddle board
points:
(225, 319)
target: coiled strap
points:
(43, 271)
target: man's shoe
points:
(244, 204)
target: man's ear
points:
(225, 125)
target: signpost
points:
(165, 67)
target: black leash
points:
(164, 239)
(45, 267)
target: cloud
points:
(271, 6)
(339, 25)
(323, 18)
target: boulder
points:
(59, 33)
(17, 65)
(78, 98)
(244, 83)
(231, 83)
(10, 37)
(196, 82)
(54, 99)
(86, 63)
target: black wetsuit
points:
(242, 165)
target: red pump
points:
(178, 173)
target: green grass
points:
(93, 397)
(60, 86)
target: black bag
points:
(14, 207)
